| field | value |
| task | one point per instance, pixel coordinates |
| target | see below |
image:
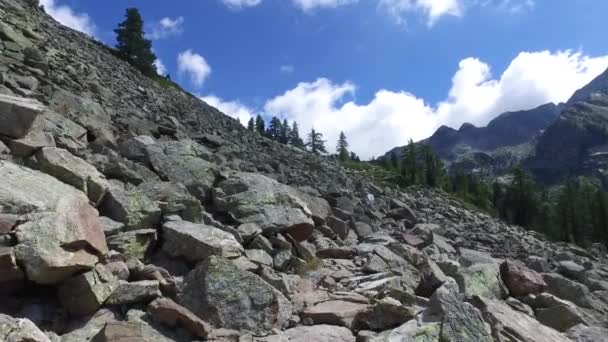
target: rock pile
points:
(133, 212)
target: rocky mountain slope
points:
(134, 212)
(577, 143)
(493, 149)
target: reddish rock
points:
(521, 280)
(168, 312)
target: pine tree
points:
(342, 147)
(409, 169)
(294, 136)
(251, 125)
(285, 132)
(132, 45)
(394, 161)
(432, 167)
(521, 199)
(260, 125)
(274, 129)
(315, 142)
(354, 157)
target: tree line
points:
(283, 132)
(576, 211)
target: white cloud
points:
(167, 27)
(160, 67)
(309, 5)
(392, 117)
(432, 9)
(287, 69)
(194, 65)
(66, 16)
(233, 109)
(240, 4)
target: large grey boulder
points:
(220, 293)
(174, 199)
(482, 280)
(572, 291)
(17, 115)
(319, 333)
(61, 233)
(131, 207)
(185, 162)
(72, 170)
(129, 331)
(275, 207)
(30, 143)
(510, 325)
(196, 242)
(20, 330)
(141, 291)
(85, 293)
(461, 321)
(336, 312)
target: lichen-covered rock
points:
(173, 199)
(196, 242)
(133, 208)
(85, 293)
(275, 207)
(136, 243)
(220, 293)
(135, 292)
(482, 280)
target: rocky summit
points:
(132, 211)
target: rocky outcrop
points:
(17, 115)
(196, 242)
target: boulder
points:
(61, 236)
(510, 325)
(338, 226)
(17, 115)
(386, 313)
(135, 244)
(520, 280)
(20, 330)
(362, 229)
(561, 317)
(184, 162)
(275, 207)
(29, 144)
(136, 292)
(111, 227)
(432, 278)
(129, 332)
(11, 276)
(482, 280)
(469, 257)
(85, 293)
(570, 290)
(135, 148)
(248, 231)
(168, 312)
(72, 170)
(133, 208)
(413, 330)
(197, 242)
(336, 312)
(460, 321)
(319, 333)
(319, 208)
(220, 293)
(583, 333)
(259, 257)
(174, 199)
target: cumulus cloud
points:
(193, 65)
(167, 27)
(432, 9)
(233, 109)
(240, 4)
(392, 117)
(160, 67)
(309, 5)
(66, 16)
(287, 69)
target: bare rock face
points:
(61, 234)
(17, 115)
(222, 294)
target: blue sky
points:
(383, 71)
